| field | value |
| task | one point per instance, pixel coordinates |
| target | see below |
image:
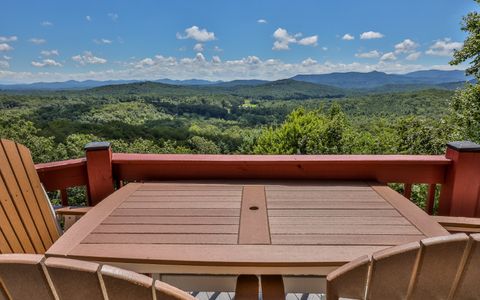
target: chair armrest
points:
(71, 214)
(73, 210)
(459, 224)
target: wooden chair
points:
(31, 276)
(27, 220)
(446, 267)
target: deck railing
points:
(101, 171)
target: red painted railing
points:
(458, 172)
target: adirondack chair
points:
(446, 267)
(27, 220)
(31, 276)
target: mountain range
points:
(332, 82)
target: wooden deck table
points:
(288, 228)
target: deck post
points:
(460, 194)
(99, 170)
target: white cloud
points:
(88, 59)
(309, 41)
(46, 63)
(413, 56)
(113, 16)
(102, 41)
(370, 54)
(309, 62)
(283, 39)
(49, 52)
(198, 47)
(7, 39)
(213, 69)
(195, 33)
(262, 21)
(348, 37)
(216, 59)
(444, 47)
(4, 64)
(88, 18)
(368, 35)
(390, 56)
(6, 57)
(407, 46)
(37, 41)
(217, 49)
(5, 47)
(46, 23)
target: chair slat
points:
(9, 234)
(16, 195)
(439, 261)
(75, 279)
(272, 287)
(12, 220)
(4, 246)
(23, 277)
(165, 291)
(349, 281)
(469, 282)
(122, 285)
(246, 288)
(41, 198)
(391, 271)
(26, 190)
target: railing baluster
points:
(407, 193)
(430, 198)
(64, 197)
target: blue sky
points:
(223, 39)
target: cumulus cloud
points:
(309, 62)
(37, 41)
(88, 59)
(102, 41)
(113, 16)
(308, 41)
(370, 54)
(46, 63)
(195, 33)
(283, 39)
(216, 59)
(348, 37)
(88, 18)
(413, 56)
(49, 52)
(444, 47)
(5, 47)
(262, 21)
(4, 64)
(7, 39)
(407, 46)
(46, 23)
(390, 56)
(368, 35)
(198, 47)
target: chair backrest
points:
(446, 267)
(31, 276)
(27, 223)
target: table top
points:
(289, 228)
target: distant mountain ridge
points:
(347, 80)
(375, 79)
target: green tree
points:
(471, 46)
(465, 105)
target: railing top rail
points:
(62, 164)
(126, 158)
